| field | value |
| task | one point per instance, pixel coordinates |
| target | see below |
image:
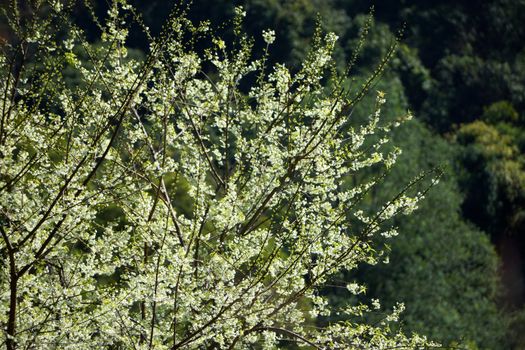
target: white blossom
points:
(268, 36)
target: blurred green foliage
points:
(440, 265)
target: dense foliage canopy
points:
(158, 202)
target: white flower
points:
(268, 36)
(239, 11)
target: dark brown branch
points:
(13, 292)
(277, 330)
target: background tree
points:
(441, 266)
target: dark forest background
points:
(459, 261)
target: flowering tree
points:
(97, 249)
